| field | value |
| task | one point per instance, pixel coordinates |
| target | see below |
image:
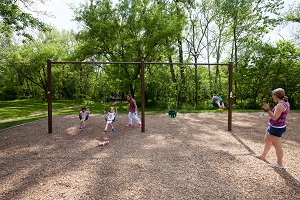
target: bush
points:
(8, 94)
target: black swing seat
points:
(112, 120)
(86, 117)
(172, 113)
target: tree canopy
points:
(165, 30)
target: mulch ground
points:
(192, 156)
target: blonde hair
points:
(280, 93)
(111, 109)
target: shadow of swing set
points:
(172, 113)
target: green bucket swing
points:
(172, 113)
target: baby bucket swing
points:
(172, 113)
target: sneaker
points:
(276, 166)
(81, 127)
(129, 125)
(140, 125)
(105, 130)
(113, 130)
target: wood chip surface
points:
(192, 156)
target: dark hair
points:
(130, 96)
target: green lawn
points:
(17, 112)
(26, 107)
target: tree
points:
(293, 15)
(249, 20)
(130, 31)
(15, 16)
(26, 63)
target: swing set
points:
(172, 113)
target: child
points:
(110, 118)
(218, 102)
(132, 112)
(83, 116)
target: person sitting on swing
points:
(217, 102)
(110, 119)
(83, 116)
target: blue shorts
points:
(276, 131)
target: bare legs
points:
(276, 142)
(279, 151)
(222, 106)
(110, 123)
(268, 145)
(82, 123)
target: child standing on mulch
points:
(83, 116)
(132, 111)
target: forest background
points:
(173, 31)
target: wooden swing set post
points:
(230, 69)
(143, 94)
(142, 63)
(49, 96)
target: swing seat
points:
(112, 120)
(172, 113)
(86, 117)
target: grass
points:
(26, 107)
(18, 112)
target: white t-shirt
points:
(111, 116)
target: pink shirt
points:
(84, 113)
(280, 122)
(132, 106)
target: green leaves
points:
(14, 18)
